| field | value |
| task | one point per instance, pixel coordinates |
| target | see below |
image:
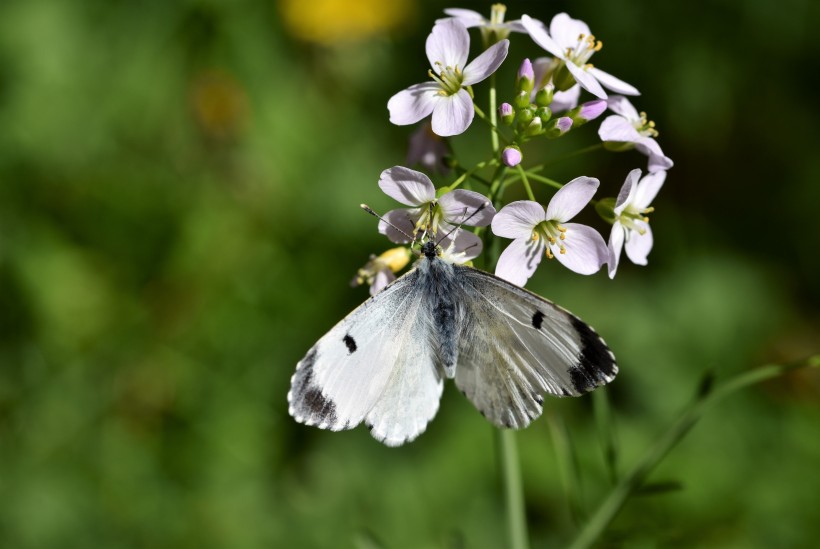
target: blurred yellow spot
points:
(329, 22)
(396, 259)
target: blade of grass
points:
(635, 478)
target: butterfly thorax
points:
(441, 291)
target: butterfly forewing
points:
(515, 346)
(375, 366)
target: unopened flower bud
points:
(526, 77)
(543, 97)
(559, 127)
(507, 114)
(588, 111)
(511, 156)
(525, 116)
(522, 100)
(535, 127)
(544, 113)
(606, 209)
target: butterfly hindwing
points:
(515, 346)
(375, 366)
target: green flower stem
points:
(535, 177)
(603, 418)
(493, 115)
(567, 464)
(469, 173)
(506, 447)
(526, 183)
(491, 122)
(513, 489)
(635, 478)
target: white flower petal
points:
(657, 160)
(414, 103)
(615, 84)
(586, 80)
(462, 246)
(571, 198)
(404, 219)
(540, 69)
(407, 186)
(468, 18)
(518, 262)
(453, 114)
(448, 44)
(619, 129)
(565, 30)
(648, 189)
(621, 105)
(616, 244)
(565, 100)
(586, 249)
(638, 245)
(628, 191)
(518, 219)
(538, 33)
(383, 278)
(485, 64)
(460, 204)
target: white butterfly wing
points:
(375, 366)
(515, 346)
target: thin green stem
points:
(635, 478)
(526, 183)
(469, 173)
(513, 489)
(493, 115)
(603, 419)
(506, 444)
(491, 123)
(567, 465)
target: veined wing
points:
(515, 346)
(375, 366)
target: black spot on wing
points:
(350, 342)
(309, 404)
(537, 320)
(596, 365)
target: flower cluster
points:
(546, 102)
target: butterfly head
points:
(430, 249)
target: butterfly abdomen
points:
(440, 290)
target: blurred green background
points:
(179, 190)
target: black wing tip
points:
(596, 362)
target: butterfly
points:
(385, 363)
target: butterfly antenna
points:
(369, 210)
(454, 229)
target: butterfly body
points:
(384, 364)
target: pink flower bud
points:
(511, 156)
(526, 77)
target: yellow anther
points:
(563, 250)
(589, 66)
(560, 228)
(552, 240)
(534, 236)
(646, 220)
(549, 253)
(649, 210)
(563, 236)
(599, 45)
